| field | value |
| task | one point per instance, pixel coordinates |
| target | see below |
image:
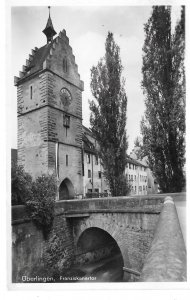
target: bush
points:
(21, 183)
(41, 204)
(38, 196)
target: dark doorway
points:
(66, 190)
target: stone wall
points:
(32, 149)
(133, 233)
(32, 254)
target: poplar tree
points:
(163, 126)
(108, 116)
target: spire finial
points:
(49, 30)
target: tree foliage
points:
(138, 149)
(41, 204)
(108, 116)
(21, 183)
(163, 126)
(38, 195)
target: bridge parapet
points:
(166, 260)
(138, 204)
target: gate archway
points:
(66, 190)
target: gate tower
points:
(49, 107)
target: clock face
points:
(65, 97)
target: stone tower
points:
(49, 105)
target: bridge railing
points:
(166, 260)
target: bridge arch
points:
(66, 190)
(114, 231)
(98, 248)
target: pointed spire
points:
(49, 30)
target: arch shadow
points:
(66, 190)
(100, 250)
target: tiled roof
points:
(85, 129)
(87, 145)
(135, 162)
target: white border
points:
(166, 290)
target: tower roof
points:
(49, 30)
(41, 59)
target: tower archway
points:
(66, 190)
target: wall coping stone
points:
(166, 260)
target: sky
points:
(87, 28)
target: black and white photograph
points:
(97, 130)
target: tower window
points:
(99, 175)
(65, 65)
(66, 121)
(31, 92)
(67, 160)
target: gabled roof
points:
(88, 145)
(87, 130)
(135, 162)
(41, 59)
(36, 64)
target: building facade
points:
(136, 175)
(49, 98)
(51, 138)
(94, 182)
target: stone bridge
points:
(130, 222)
(88, 230)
